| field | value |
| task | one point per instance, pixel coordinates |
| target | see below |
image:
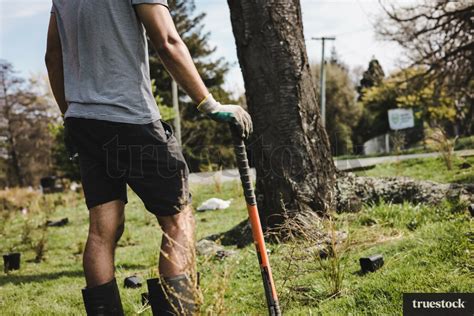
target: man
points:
(97, 60)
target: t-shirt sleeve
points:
(53, 10)
(162, 2)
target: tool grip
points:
(243, 165)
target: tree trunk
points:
(290, 149)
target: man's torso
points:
(105, 58)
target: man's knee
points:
(102, 235)
(171, 225)
(107, 222)
(179, 223)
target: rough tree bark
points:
(290, 148)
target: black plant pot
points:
(11, 261)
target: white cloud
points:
(23, 8)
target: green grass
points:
(432, 169)
(464, 143)
(432, 257)
(425, 250)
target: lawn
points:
(433, 169)
(426, 249)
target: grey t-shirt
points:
(105, 58)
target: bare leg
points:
(177, 245)
(105, 228)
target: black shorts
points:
(146, 157)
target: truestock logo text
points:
(434, 304)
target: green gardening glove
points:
(233, 114)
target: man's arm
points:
(54, 64)
(176, 57)
(172, 51)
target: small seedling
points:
(39, 246)
(333, 268)
(59, 201)
(145, 298)
(218, 181)
(79, 248)
(40, 249)
(26, 232)
(366, 220)
(5, 218)
(326, 252)
(438, 140)
(413, 224)
(126, 239)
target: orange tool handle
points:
(257, 233)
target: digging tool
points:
(244, 170)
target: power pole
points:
(177, 116)
(322, 78)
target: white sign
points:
(401, 118)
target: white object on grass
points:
(74, 186)
(214, 204)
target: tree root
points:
(351, 193)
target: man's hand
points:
(234, 114)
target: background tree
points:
(398, 91)
(63, 165)
(26, 115)
(437, 107)
(342, 110)
(335, 60)
(437, 37)
(291, 151)
(206, 144)
(11, 93)
(372, 77)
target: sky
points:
(23, 26)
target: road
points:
(344, 165)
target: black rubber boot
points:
(103, 300)
(172, 296)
